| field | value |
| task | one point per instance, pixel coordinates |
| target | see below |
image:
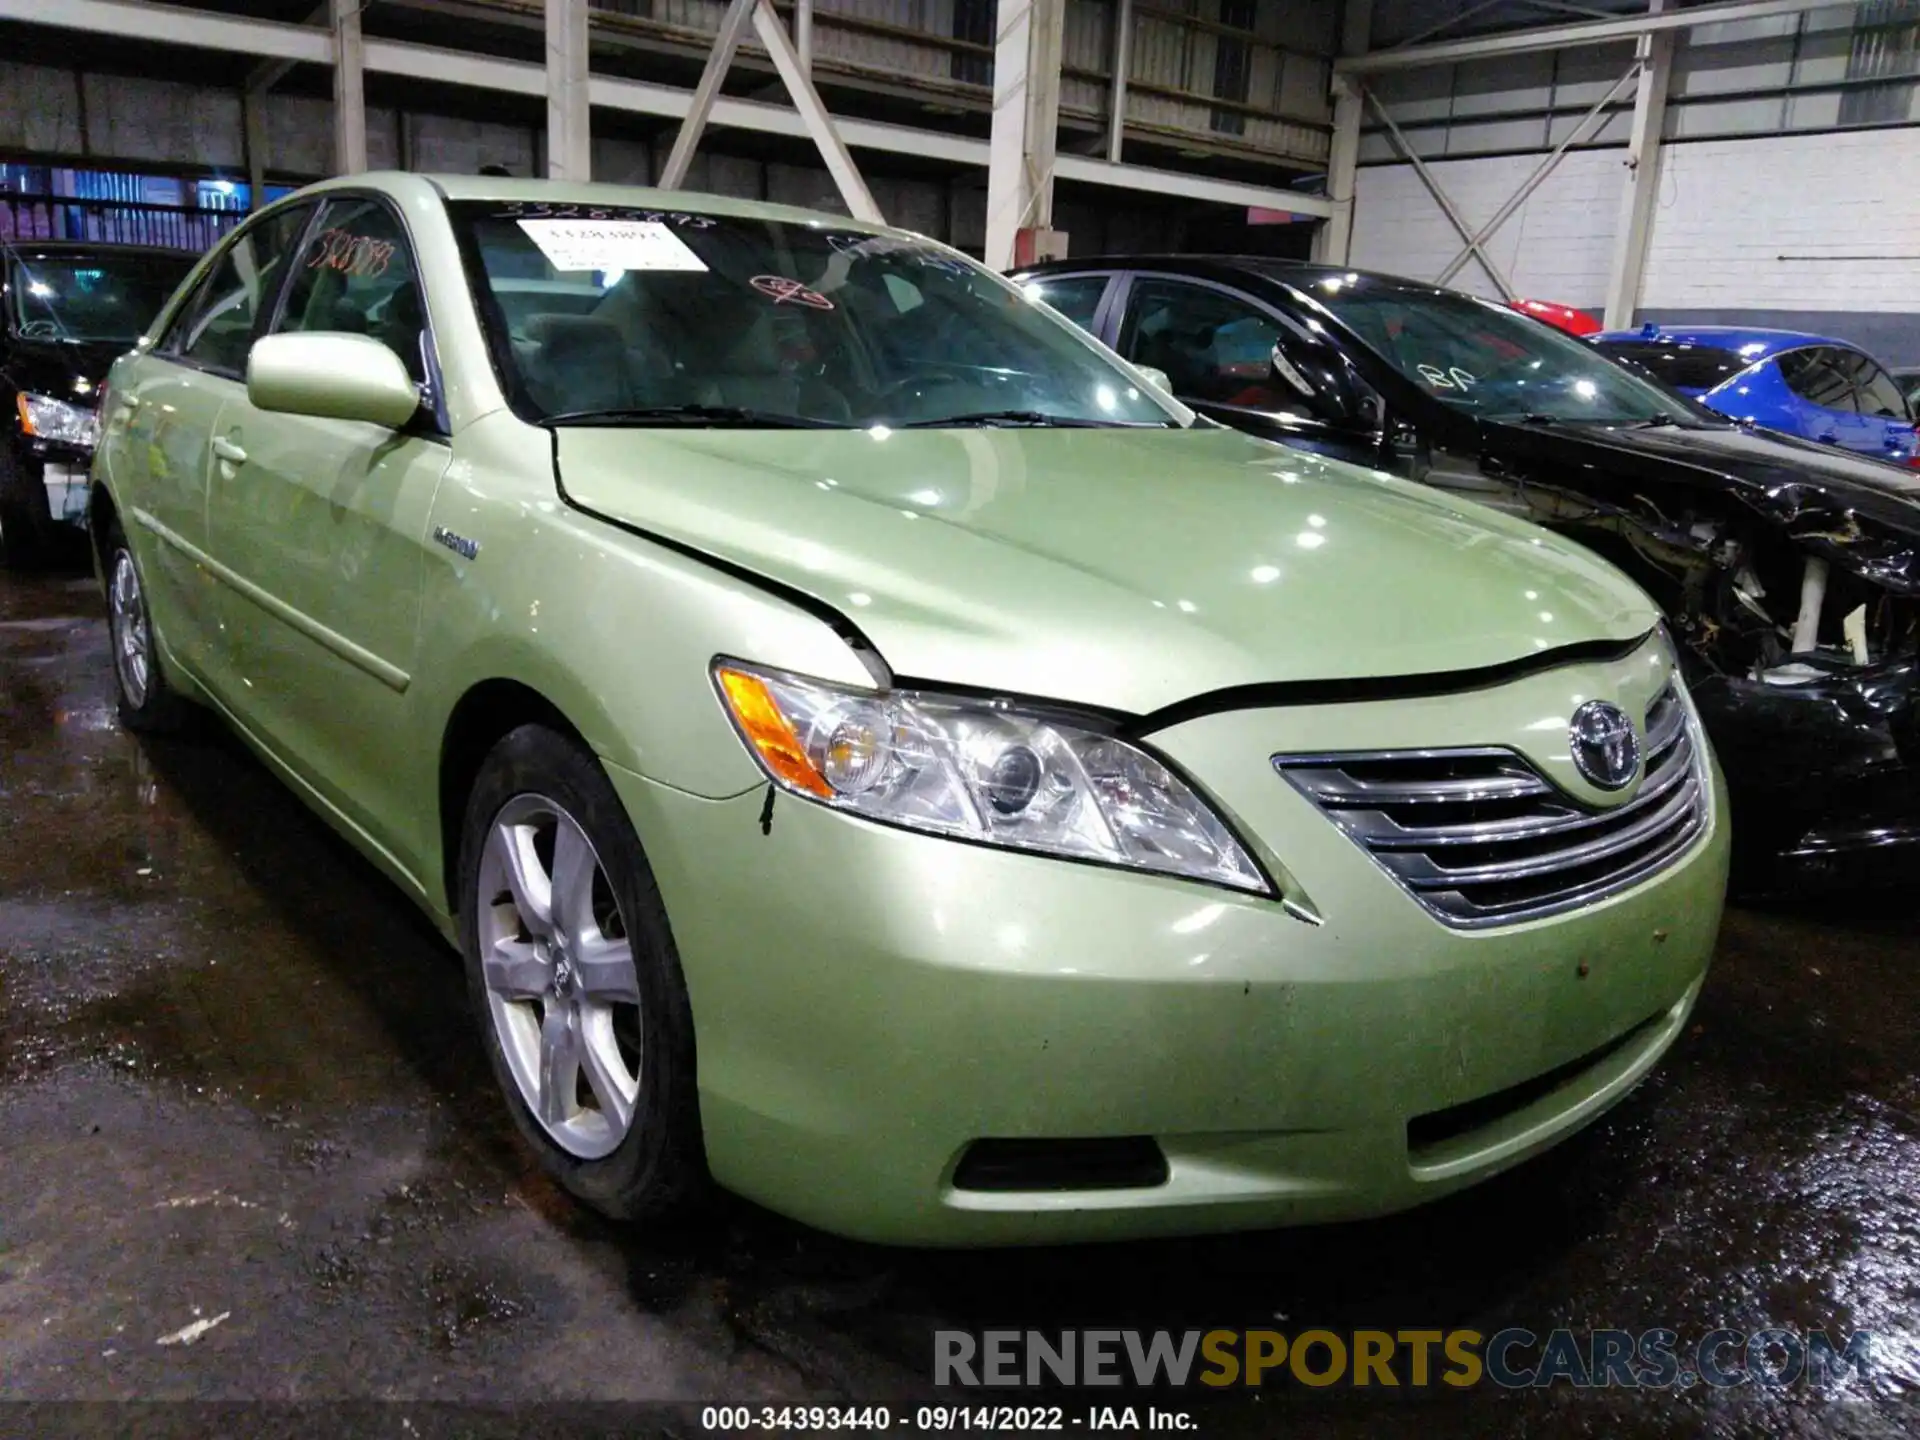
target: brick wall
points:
(1728, 211)
(1555, 247)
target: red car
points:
(1574, 322)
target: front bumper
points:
(60, 473)
(869, 1002)
(1824, 776)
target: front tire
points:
(147, 702)
(575, 982)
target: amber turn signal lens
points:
(769, 731)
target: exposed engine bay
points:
(1761, 587)
(1799, 624)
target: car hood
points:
(51, 367)
(1120, 568)
(1735, 456)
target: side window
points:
(214, 327)
(1813, 375)
(357, 275)
(1075, 296)
(1212, 345)
(1878, 394)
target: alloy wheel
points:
(130, 629)
(560, 980)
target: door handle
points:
(229, 452)
(129, 403)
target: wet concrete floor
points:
(250, 1150)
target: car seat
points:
(579, 363)
(774, 365)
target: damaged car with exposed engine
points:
(1789, 570)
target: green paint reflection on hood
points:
(1121, 568)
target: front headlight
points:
(980, 771)
(46, 418)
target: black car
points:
(69, 309)
(1790, 572)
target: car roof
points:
(58, 249)
(1298, 272)
(565, 192)
(1749, 342)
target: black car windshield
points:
(98, 297)
(620, 316)
(1494, 361)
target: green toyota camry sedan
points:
(879, 753)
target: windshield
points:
(612, 315)
(1493, 361)
(91, 297)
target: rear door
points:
(323, 525)
(1082, 298)
(159, 437)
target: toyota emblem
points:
(1605, 745)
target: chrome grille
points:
(1482, 838)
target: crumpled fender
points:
(1845, 535)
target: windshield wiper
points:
(716, 415)
(1532, 417)
(1015, 418)
(1652, 422)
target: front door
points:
(1236, 361)
(322, 524)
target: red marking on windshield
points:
(784, 291)
(350, 254)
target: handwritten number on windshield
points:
(1453, 378)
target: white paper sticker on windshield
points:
(610, 245)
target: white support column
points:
(349, 89)
(253, 122)
(1122, 69)
(569, 128)
(803, 34)
(1026, 121)
(1642, 190)
(1333, 241)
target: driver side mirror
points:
(333, 376)
(1331, 391)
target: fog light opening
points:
(1132, 1162)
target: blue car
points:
(1806, 385)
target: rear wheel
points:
(25, 525)
(574, 979)
(147, 702)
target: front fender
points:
(613, 631)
